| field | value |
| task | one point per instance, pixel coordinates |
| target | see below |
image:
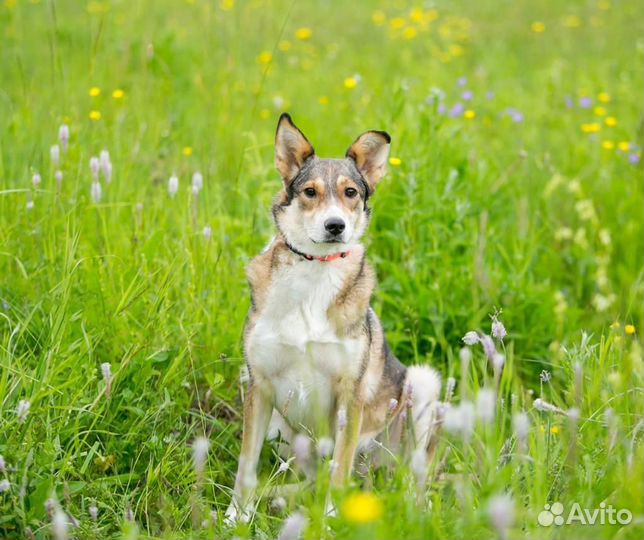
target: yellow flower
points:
(395, 161)
(362, 508)
(431, 15)
(456, 50)
(554, 430)
(187, 151)
(599, 111)
(604, 5)
(629, 329)
(572, 21)
(624, 146)
(603, 97)
(538, 27)
(284, 45)
(409, 32)
(303, 33)
(416, 14)
(615, 325)
(94, 91)
(265, 57)
(608, 145)
(469, 114)
(227, 5)
(350, 83)
(95, 115)
(118, 94)
(264, 114)
(378, 17)
(610, 121)
(593, 127)
(323, 100)
(397, 23)
(542, 429)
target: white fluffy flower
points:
(173, 185)
(200, 453)
(471, 338)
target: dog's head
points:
(323, 208)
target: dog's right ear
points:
(292, 148)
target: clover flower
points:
(471, 338)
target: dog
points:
(316, 354)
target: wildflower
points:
(4, 485)
(545, 376)
(284, 45)
(200, 454)
(63, 136)
(569, 102)
(471, 338)
(94, 167)
(599, 111)
(572, 21)
(227, 5)
(498, 361)
(3, 464)
(302, 451)
(485, 405)
(409, 32)
(323, 100)
(106, 165)
(36, 180)
(95, 115)
(516, 116)
(603, 97)
(544, 406)
(197, 182)
(585, 102)
(469, 114)
(624, 146)
(303, 33)
(173, 185)
(462, 81)
(498, 329)
(467, 95)
(59, 525)
(265, 57)
(554, 430)
(54, 154)
(574, 414)
(460, 419)
(325, 447)
(350, 83)
(94, 91)
(521, 425)
(106, 370)
(488, 346)
(23, 410)
(30, 202)
(96, 192)
(591, 127)
(395, 161)
(293, 527)
(118, 94)
(362, 508)
(629, 329)
(633, 159)
(342, 418)
(457, 110)
(378, 17)
(93, 512)
(501, 512)
(277, 505)
(465, 355)
(538, 27)
(608, 145)
(397, 23)
(207, 232)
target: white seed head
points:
(574, 414)
(302, 450)
(60, 525)
(4, 485)
(104, 157)
(93, 512)
(200, 453)
(54, 154)
(107, 171)
(501, 512)
(207, 232)
(486, 405)
(545, 376)
(449, 388)
(277, 505)
(106, 370)
(544, 406)
(460, 419)
(23, 410)
(471, 338)
(498, 330)
(58, 175)
(488, 346)
(96, 192)
(197, 182)
(293, 527)
(95, 167)
(284, 466)
(521, 425)
(36, 180)
(173, 185)
(498, 361)
(325, 447)
(63, 136)
(465, 354)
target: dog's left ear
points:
(370, 151)
(292, 148)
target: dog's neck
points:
(322, 258)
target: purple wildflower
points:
(488, 346)
(467, 95)
(585, 102)
(442, 109)
(498, 329)
(633, 159)
(570, 103)
(517, 117)
(471, 338)
(489, 95)
(457, 110)
(462, 81)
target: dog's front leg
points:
(347, 435)
(257, 414)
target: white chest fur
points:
(294, 347)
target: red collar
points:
(324, 258)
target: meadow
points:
(136, 177)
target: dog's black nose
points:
(334, 225)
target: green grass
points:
(536, 218)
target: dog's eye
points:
(350, 192)
(309, 192)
